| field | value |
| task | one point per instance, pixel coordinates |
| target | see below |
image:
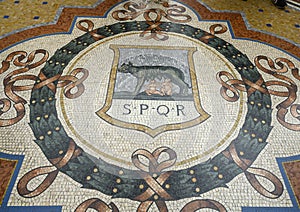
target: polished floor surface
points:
(149, 105)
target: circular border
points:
(94, 173)
(223, 140)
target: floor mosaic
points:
(149, 106)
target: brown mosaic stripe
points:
(292, 170)
(65, 20)
(7, 168)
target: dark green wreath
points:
(94, 173)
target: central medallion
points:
(153, 89)
(151, 94)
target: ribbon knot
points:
(154, 25)
(50, 172)
(153, 158)
(252, 173)
(153, 176)
(90, 28)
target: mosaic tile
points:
(149, 106)
(22, 13)
(259, 14)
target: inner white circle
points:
(116, 144)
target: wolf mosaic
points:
(145, 73)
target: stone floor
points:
(149, 106)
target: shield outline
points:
(153, 132)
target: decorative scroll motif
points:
(97, 205)
(51, 172)
(17, 76)
(201, 204)
(9, 82)
(153, 177)
(174, 13)
(90, 28)
(118, 182)
(251, 174)
(213, 29)
(68, 82)
(231, 87)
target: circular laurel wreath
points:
(155, 185)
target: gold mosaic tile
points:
(262, 15)
(22, 13)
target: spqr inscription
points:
(145, 109)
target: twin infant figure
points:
(163, 89)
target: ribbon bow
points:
(152, 175)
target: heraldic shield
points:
(153, 89)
